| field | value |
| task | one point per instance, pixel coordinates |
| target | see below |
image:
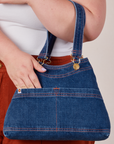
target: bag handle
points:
(78, 36)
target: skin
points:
(62, 15)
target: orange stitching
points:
(67, 74)
(78, 51)
(59, 129)
(65, 96)
(62, 94)
(66, 65)
(56, 112)
(81, 69)
(62, 130)
(56, 88)
(86, 95)
(55, 128)
(42, 54)
(73, 94)
(59, 67)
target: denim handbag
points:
(69, 106)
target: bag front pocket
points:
(55, 113)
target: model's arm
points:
(20, 65)
(58, 16)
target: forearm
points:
(7, 47)
(58, 16)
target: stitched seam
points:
(76, 36)
(60, 67)
(42, 54)
(67, 65)
(45, 94)
(62, 94)
(55, 129)
(77, 51)
(55, 92)
(58, 128)
(80, 35)
(56, 112)
(67, 74)
(62, 130)
(85, 68)
(56, 109)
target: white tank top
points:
(23, 27)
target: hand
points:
(20, 67)
(14, 1)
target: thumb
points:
(37, 66)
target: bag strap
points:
(78, 36)
(47, 49)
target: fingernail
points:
(43, 69)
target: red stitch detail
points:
(56, 129)
(76, 50)
(56, 88)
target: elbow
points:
(89, 36)
(91, 31)
(95, 19)
(92, 36)
(94, 26)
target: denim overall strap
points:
(79, 30)
(78, 36)
(47, 49)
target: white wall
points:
(101, 55)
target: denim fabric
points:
(69, 106)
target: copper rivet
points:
(0, 65)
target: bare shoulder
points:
(95, 17)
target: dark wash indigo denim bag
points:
(69, 106)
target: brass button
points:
(76, 66)
(0, 65)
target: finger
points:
(20, 84)
(34, 79)
(15, 83)
(28, 82)
(37, 66)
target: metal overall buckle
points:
(76, 66)
(44, 61)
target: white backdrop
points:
(101, 55)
